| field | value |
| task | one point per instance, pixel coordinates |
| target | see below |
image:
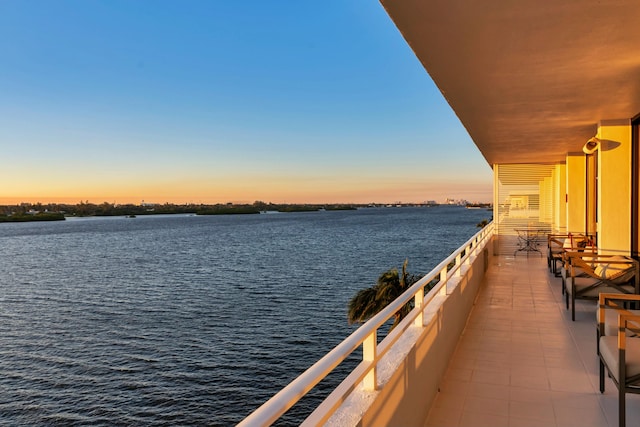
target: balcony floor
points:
(521, 361)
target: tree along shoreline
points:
(29, 217)
(56, 212)
(24, 212)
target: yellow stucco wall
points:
(560, 188)
(547, 200)
(575, 191)
(614, 187)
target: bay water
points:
(192, 320)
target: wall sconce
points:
(591, 146)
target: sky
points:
(223, 101)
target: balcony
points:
(521, 361)
(491, 344)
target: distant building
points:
(460, 202)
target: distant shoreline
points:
(26, 212)
(49, 216)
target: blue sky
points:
(216, 101)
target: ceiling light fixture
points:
(591, 146)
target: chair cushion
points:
(609, 353)
(564, 272)
(583, 285)
(611, 321)
(611, 269)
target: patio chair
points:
(557, 244)
(610, 306)
(589, 274)
(565, 273)
(619, 353)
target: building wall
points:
(547, 200)
(575, 193)
(614, 187)
(560, 187)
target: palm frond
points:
(363, 306)
(389, 277)
(403, 279)
(368, 302)
(387, 292)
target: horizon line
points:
(143, 203)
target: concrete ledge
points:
(411, 372)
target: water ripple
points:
(186, 320)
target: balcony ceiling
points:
(529, 80)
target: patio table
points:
(528, 240)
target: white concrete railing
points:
(366, 336)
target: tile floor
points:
(522, 362)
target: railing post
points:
(418, 300)
(443, 279)
(459, 262)
(369, 352)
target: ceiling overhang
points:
(530, 81)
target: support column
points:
(575, 193)
(614, 187)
